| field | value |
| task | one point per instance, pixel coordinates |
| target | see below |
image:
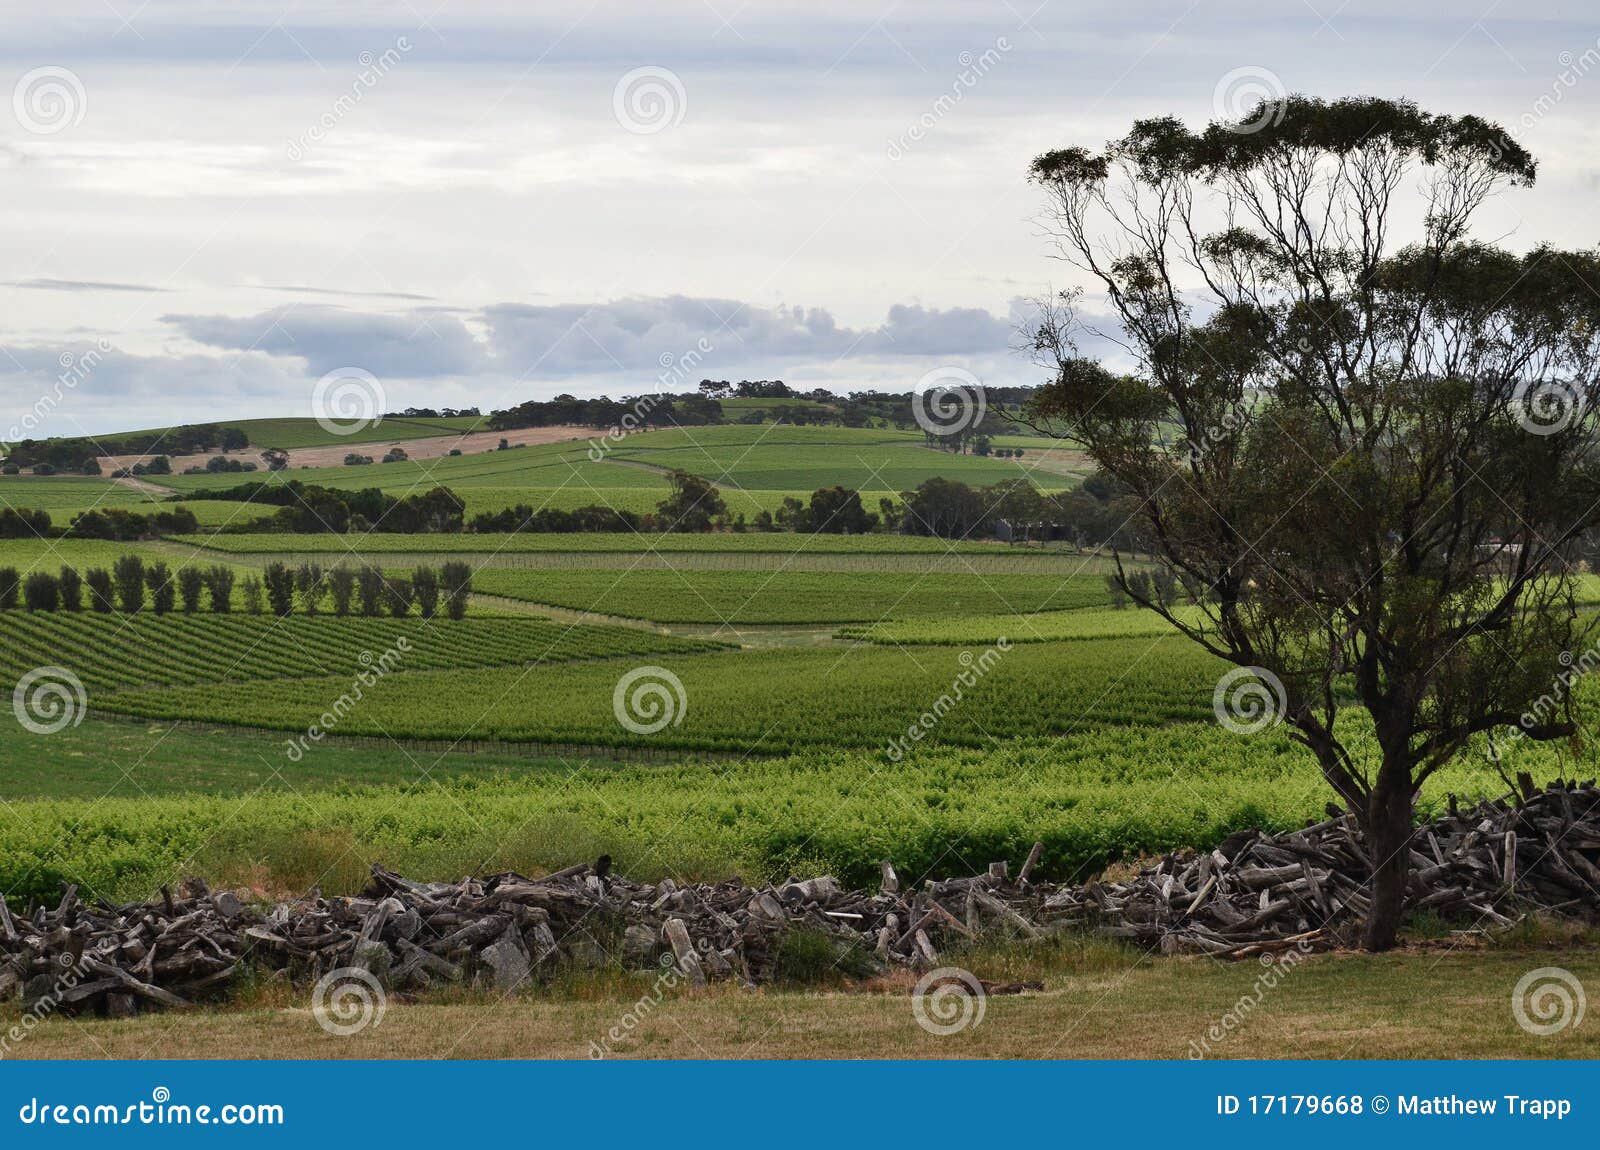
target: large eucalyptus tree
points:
(1362, 439)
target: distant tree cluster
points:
(433, 413)
(310, 509)
(367, 590)
(662, 410)
(132, 586)
(110, 523)
(70, 454)
(122, 524)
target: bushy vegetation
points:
(1092, 798)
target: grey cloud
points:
(297, 289)
(628, 338)
(46, 284)
(634, 334)
(418, 344)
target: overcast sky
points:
(486, 203)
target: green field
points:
(67, 493)
(774, 542)
(65, 497)
(304, 431)
(750, 702)
(1043, 627)
(753, 597)
(757, 458)
(51, 554)
(550, 465)
(1090, 797)
(111, 651)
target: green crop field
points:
(761, 702)
(1091, 797)
(51, 554)
(111, 651)
(551, 465)
(67, 493)
(775, 542)
(65, 497)
(789, 596)
(304, 431)
(897, 461)
(1048, 626)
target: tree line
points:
(131, 586)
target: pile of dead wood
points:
(1253, 893)
(1488, 866)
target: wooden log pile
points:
(1254, 893)
(1488, 866)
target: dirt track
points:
(332, 455)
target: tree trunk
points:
(1389, 829)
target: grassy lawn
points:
(1099, 1002)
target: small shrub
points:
(309, 581)
(71, 585)
(191, 582)
(425, 582)
(40, 592)
(456, 579)
(102, 596)
(219, 581)
(128, 572)
(397, 596)
(341, 585)
(369, 588)
(163, 589)
(279, 581)
(10, 584)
